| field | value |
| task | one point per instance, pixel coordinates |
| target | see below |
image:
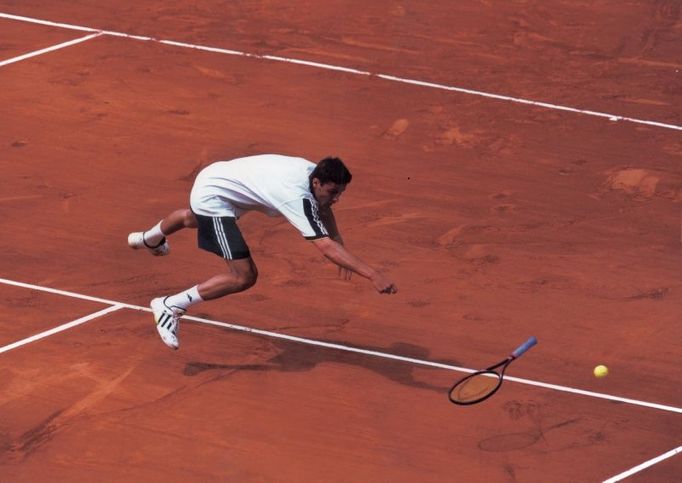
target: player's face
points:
(328, 193)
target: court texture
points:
(517, 171)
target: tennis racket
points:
(480, 385)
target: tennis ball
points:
(601, 371)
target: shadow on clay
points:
(296, 357)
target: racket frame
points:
(518, 352)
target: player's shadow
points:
(297, 357)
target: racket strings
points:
(476, 387)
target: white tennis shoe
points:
(136, 241)
(167, 321)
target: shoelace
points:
(175, 314)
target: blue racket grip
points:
(524, 347)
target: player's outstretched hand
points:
(345, 273)
(383, 285)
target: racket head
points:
(475, 387)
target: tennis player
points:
(276, 185)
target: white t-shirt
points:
(270, 183)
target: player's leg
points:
(154, 239)
(176, 221)
(240, 275)
(219, 235)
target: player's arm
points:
(327, 217)
(336, 252)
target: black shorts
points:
(221, 235)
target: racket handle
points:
(524, 347)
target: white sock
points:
(185, 299)
(153, 236)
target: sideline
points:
(392, 78)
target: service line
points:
(387, 77)
(341, 347)
(60, 328)
(50, 49)
(644, 465)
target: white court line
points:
(644, 465)
(438, 365)
(49, 49)
(60, 328)
(47, 22)
(346, 348)
(392, 78)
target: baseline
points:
(49, 49)
(392, 78)
(330, 345)
(644, 465)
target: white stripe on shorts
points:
(222, 239)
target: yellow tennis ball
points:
(601, 371)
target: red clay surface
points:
(29, 312)
(19, 38)
(497, 220)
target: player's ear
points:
(315, 183)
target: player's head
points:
(328, 180)
(333, 170)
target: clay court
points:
(516, 170)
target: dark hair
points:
(331, 169)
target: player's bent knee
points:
(248, 280)
(190, 220)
